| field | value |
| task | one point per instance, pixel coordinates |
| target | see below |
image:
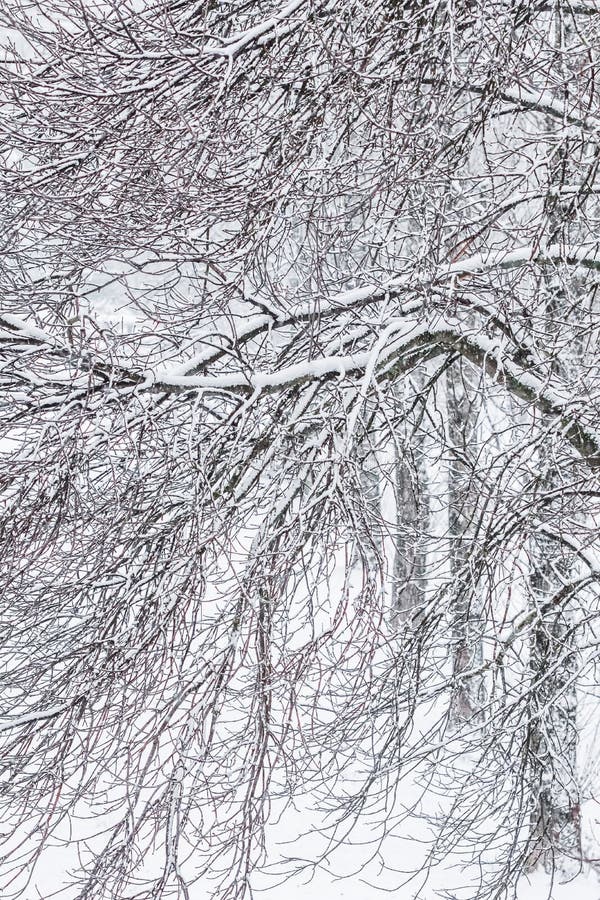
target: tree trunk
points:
(368, 548)
(462, 408)
(555, 815)
(411, 523)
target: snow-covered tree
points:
(299, 431)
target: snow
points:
(8, 722)
(237, 42)
(202, 341)
(27, 330)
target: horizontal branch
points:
(236, 43)
(7, 723)
(408, 343)
(256, 325)
(543, 102)
(411, 343)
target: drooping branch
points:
(409, 342)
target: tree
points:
(234, 236)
